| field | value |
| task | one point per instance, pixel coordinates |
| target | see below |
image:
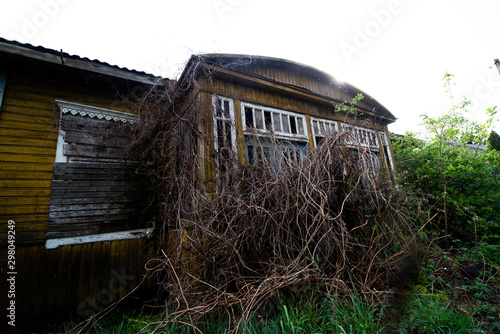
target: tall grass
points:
(353, 314)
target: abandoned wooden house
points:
(245, 95)
(83, 224)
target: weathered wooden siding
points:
(320, 84)
(29, 121)
(90, 198)
(71, 280)
(75, 281)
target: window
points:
(95, 193)
(282, 123)
(364, 137)
(386, 149)
(224, 137)
(272, 135)
(322, 128)
(369, 161)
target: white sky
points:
(395, 50)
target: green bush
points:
(463, 183)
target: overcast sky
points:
(395, 50)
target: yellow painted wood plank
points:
(46, 134)
(26, 166)
(25, 226)
(43, 159)
(24, 209)
(25, 183)
(25, 200)
(23, 141)
(23, 218)
(22, 85)
(42, 110)
(37, 119)
(18, 149)
(8, 124)
(13, 192)
(20, 174)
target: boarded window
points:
(95, 188)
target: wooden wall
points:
(29, 121)
(73, 282)
(68, 281)
(274, 100)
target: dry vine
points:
(330, 220)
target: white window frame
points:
(279, 133)
(324, 128)
(385, 146)
(231, 119)
(366, 137)
(101, 237)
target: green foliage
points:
(494, 141)
(468, 179)
(461, 186)
(355, 315)
(351, 107)
(454, 126)
(429, 315)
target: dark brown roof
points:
(86, 64)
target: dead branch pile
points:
(238, 236)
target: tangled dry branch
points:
(235, 237)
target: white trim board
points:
(84, 239)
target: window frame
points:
(231, 120)
(321, 133)
(92, 112)
(372, 143)
(264, 132)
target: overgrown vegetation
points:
(323, 244)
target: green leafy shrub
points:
(463, 183)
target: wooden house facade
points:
(75, 223)
(74, 216)
(299, 105)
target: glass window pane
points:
(293, 125)
(259, 122)
(267, 119)
(218, 108)
(315, 127)
(249, 117)
(322, 128)
(277, 122)
(286, 126)
(300, 124)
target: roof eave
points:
(66, 60)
